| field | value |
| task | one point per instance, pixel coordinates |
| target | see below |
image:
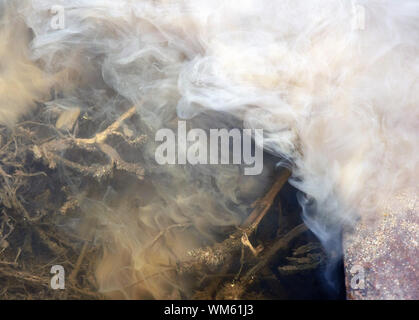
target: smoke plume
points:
(336, 98)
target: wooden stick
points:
(281, 244)
(263, 205)
(76, 269)
(229, 246)
(101, 136)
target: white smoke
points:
(339, 101)
(21, 81)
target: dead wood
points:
(263, 205)
(50, 150)
(219, 253)
(33, 197)
(281, 244)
